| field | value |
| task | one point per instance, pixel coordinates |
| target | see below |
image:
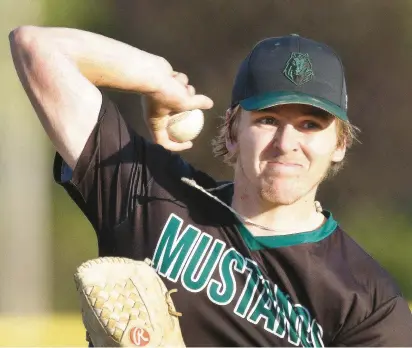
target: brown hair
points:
(347, 134)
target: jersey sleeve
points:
(117, 166)
(390, 325)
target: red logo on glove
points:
(139, 337)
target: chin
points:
(277, 199)
(279, 196)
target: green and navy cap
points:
(291, 70)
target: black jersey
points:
(310, 289)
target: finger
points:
(191, 90)
(173, 146)
(162, 137)
(182, 78)
(198, 101)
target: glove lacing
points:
(169, 302)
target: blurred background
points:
(44, 237)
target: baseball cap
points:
(291, 70)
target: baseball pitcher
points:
(249, 262)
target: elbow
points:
(22, 38)
(20, 35)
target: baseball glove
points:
(125, 303)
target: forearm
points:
(102, 60)
(59, 69)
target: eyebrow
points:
(306, 110)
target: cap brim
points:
(270, 99)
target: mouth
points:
(284, 164)
(283, 168)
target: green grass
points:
(44, 331)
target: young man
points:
(255, 261)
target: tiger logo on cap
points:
(298, 68)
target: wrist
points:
(154, 71)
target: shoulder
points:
(366, 271)
(374, 313)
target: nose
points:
(287, 138)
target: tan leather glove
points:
(125, 303)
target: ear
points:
(339, 153)
(231, 146)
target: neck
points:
(278, 219)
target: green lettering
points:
(173, 249)
(285, 306)
(263, 310)
(249, 289)
(194, 279)
(223, 292)
(316, 334)
(302, 324)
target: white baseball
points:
(185, 126)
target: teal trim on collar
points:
(270, 242)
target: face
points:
(285, 152)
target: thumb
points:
(198, 101)
(176, 147)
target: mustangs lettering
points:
(192, 256)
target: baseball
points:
(185, 126)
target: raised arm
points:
(60, 68)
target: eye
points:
(267, 120)
(311, 125)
